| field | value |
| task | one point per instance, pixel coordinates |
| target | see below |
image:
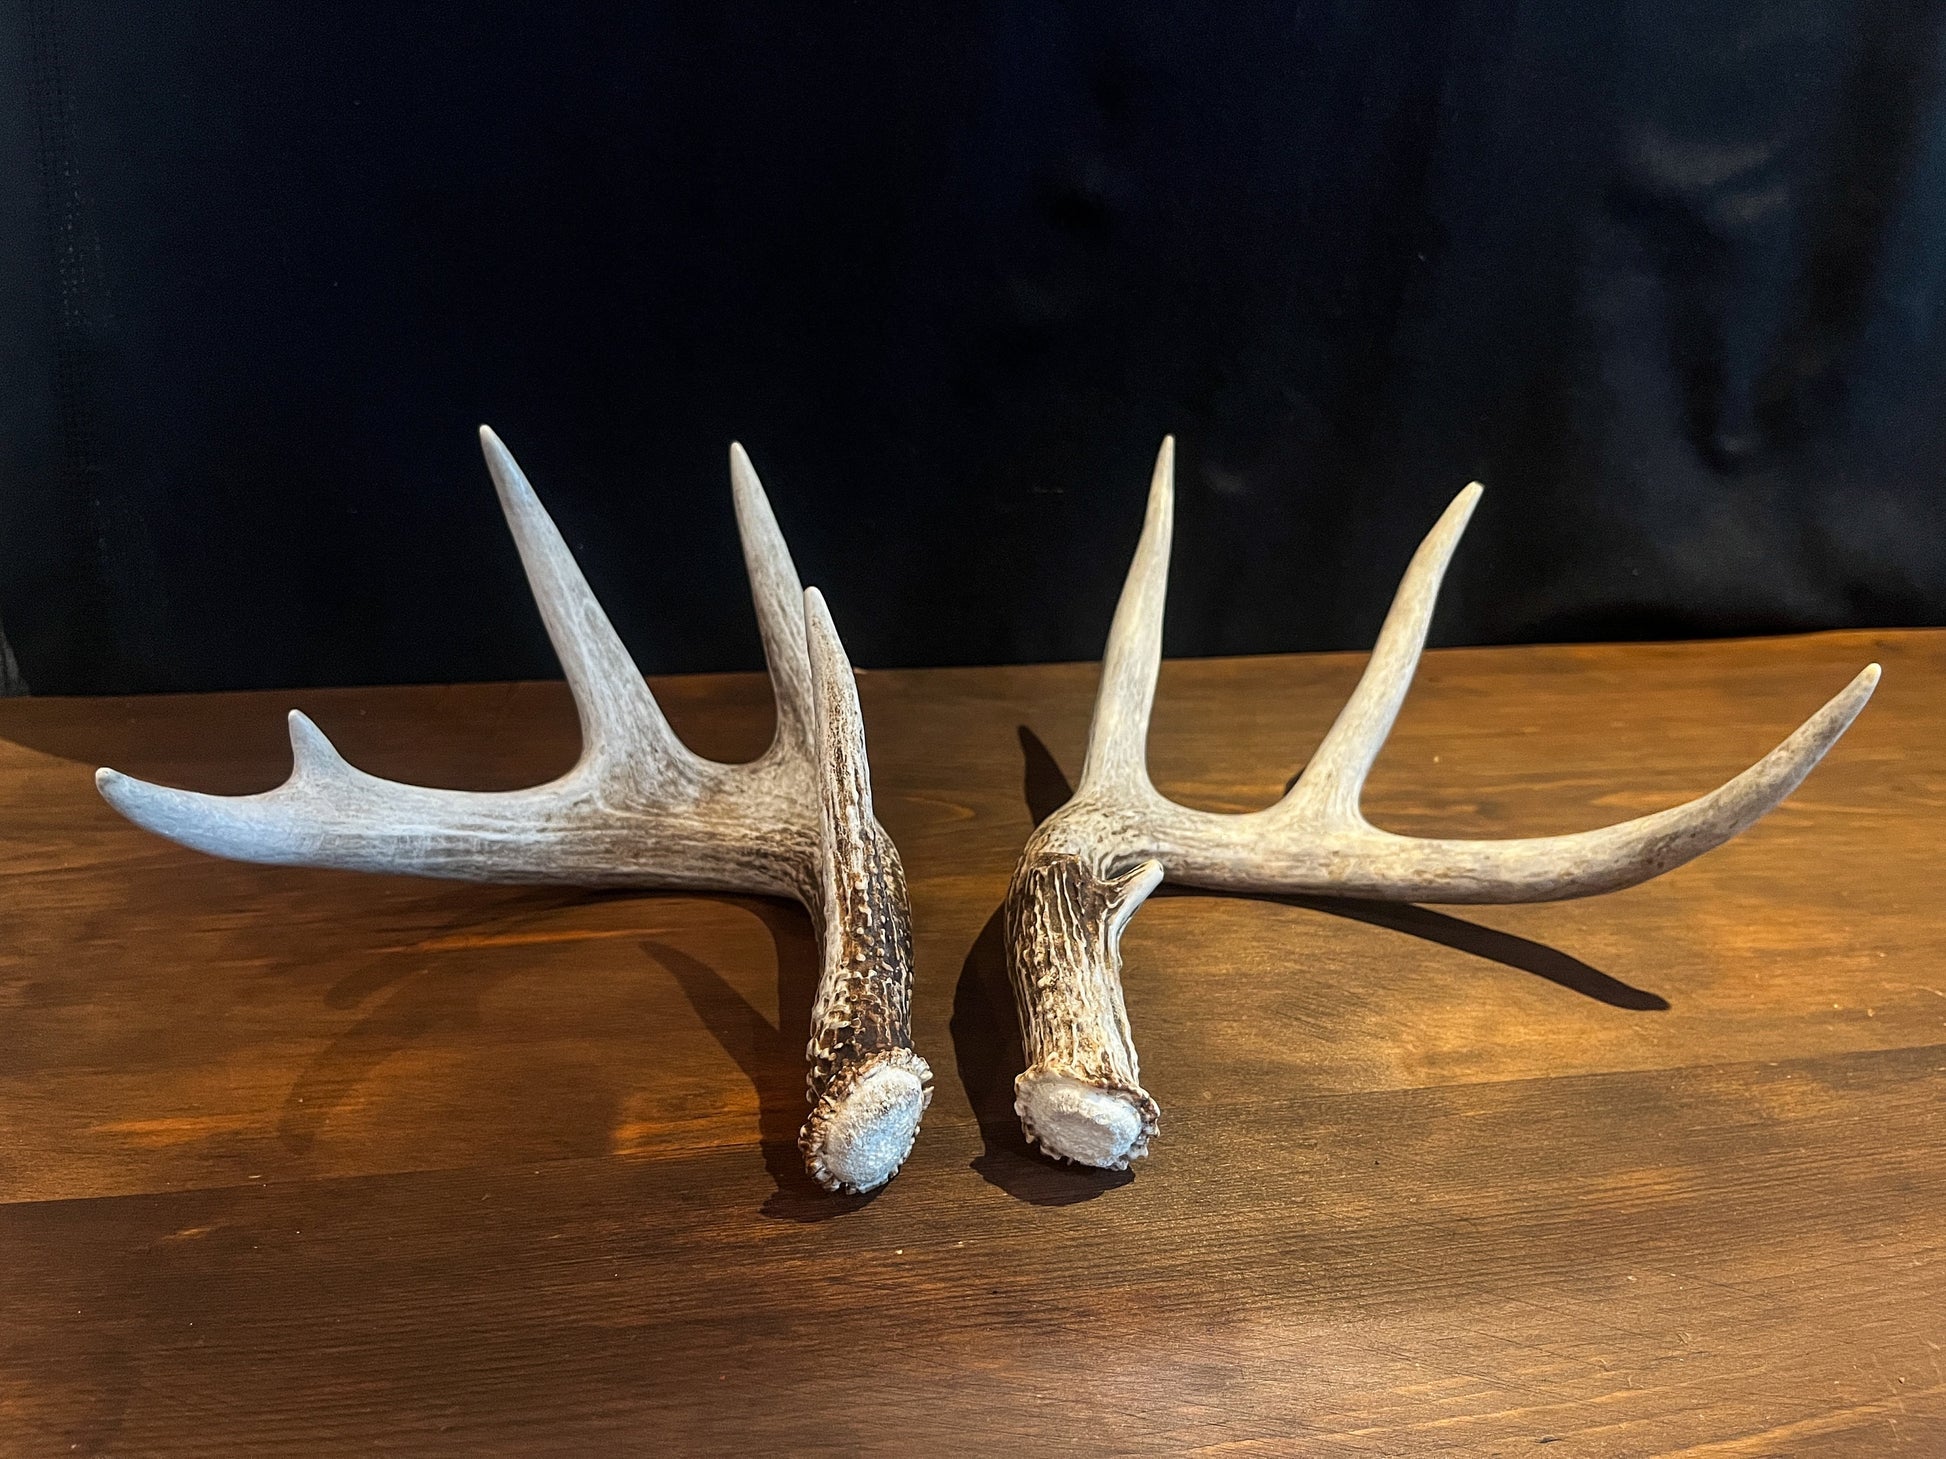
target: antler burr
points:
(639, 809)
(1090, 865)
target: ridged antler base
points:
(862, 1128)
(1081, 1097)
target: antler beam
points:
(1093, 862)
(639, 809)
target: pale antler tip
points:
(1849, 701)
(500, 461)
(1162, 482)
(125, 793)
(746, 488)
(136, 799)
(509, 481)
(821, 635)
(303, 730)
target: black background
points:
(1670, 277)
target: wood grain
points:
(314, 1163)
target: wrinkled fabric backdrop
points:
(1670, 278)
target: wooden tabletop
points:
(310, 1163)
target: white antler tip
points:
(1846, 704)
(1160, 516)
(126, 794)
(1849, 702)
(517, 498)
(492, 446)
(752, 504)
(500, 461)
(312, 752)
(180, 815)
(819, 629)
(1460, 512)
(152, 807)
(829, 661)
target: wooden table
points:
(309, 1163)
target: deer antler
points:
(640, 809)
(1091, 864)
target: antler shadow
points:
(770, 1058)
(986, 1030)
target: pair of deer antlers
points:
(640, 809)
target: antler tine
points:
(621, 724)
(844, 770)
(1330, 786)
(1089, 865)
(1317, 839)
(1118, 733)
(778, 597)
(328, 813)
(867, 1087)
(1379, 864)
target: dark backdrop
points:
(1669, 276)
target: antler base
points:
(861, 1130)
(1082, 1096)
(1090, 1124)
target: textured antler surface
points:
(640, 809)
(1091, 864)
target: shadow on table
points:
(770, 1056)
(986, 1030)
(418, 998)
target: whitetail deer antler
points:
(640, 809)
(1091, 864)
